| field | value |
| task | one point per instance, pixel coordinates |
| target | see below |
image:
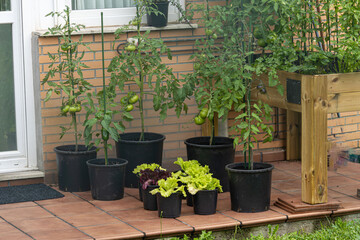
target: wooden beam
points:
(344, 102)
(293, 138)
(206, 127)
(344, 82)
(314, 134)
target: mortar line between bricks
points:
(111, 214)
(241, 224)
(17, 228)
(64, 220)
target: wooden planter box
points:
(308, 99)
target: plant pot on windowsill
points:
(73, 174)
(250, 190)
(138, 152)
(216, 156)
(160, 17)
(107, 181)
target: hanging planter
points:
(73, 174)
(250, 190)
(216, 156)
(138, 152)
(107, 181)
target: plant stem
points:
(104, 88)
(248, 99)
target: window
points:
(116, 12)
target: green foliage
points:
(337, 230)
(67, 62)
(169, 186)
(315, 37)
(140, 63)
(144, 166)
(197, 177)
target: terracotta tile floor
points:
(78, 216)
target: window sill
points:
(112, 29)
(21, 175)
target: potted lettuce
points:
(168, 196)
(202, 186)
(144, 166)
(149, 179)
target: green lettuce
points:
(169, 186)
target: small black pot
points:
(159, 20)
(169, 207)
(205, 202)
(107, 181)
(140, 192)
(250, 190)
(216, 156)
(138, 152)
(73, 175)
(189, 199)
(149, 200)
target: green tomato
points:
(130, 48)
(65, 47)
(78, 108)
(208, 32)
(198, 120)
(72, 109)
(65, 109)
(196, 66)
(135, 22)
(203, 113)
(129, 108)
(262, 43)
(134, 99)
(124, 100)
(104, 134)
(258, 33)
(214, 36)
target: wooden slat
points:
(344, 102)
(314, 134)
(293, 138)
(344, 82)
(206, 127)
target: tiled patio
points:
(77, 216)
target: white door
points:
(13, 132)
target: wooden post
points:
(293, 138)
(206, 127)
(314, 135)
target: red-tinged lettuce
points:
(151, 177)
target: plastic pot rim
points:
(225, 145)
(267, 168)
(160, 138)
(92, 164)
(57, 150)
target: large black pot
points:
(107, 181)
(149, 200)
(158, 20)
(138, 152)
(205, 202)
(216, 156)
(73, 175)
(250, 190)
(169, 207)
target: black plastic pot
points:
(250, 190)
(159, 20)
(169, 207)
(189, 199)
(138, 152)
(149, 200)
(73, 174)
(140, 192)
(205, 202)
(107, 181)
(216, 156)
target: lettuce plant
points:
(169, 186)
(151, 177)
(144, 166)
